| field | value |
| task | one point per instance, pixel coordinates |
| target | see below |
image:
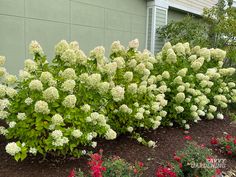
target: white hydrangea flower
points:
(139, 116)
(41, 107)
(165, 75)
(93, 80)
(11, 92)
(30, 65)
(35, 48)
(10, 79)
(21, 116)
(134, 44)
(12, 148)
(28, 101)
(179, 49)
(206, 53)
(125, 109)
(76, 133)
(110, 68)
(4, 114)
(180, 88)
(212, 108)
(68, 86)
(180, 97)
(69, 73)
(231, 84)
(218, 54)
(140, 139)
(179, 109)
(128, 76)
(36, 85)
(210, 116)
(116, 47)
(2, 90)
(69, 101)
(4, 103)
(103, 87)
(3, 131)
(33, 150)
(178, 80)
(132, 88)
(60, 141)
(171, 56)
(182, 72)
(187, 126)
(193, 108)
(163, 113)
(85, 108)
(151, 144)
(69, 57)
(220, 116)
(110, 134)
(120, 62)
(94, 144)
(130, 129)
(50, 94)
(74, 45)
(46, 77)
(12, 124)
(132, 63)
(81, 58)
(24, 75)
(57, 134)
(98, 53)
(118, 93)
(61, 47)
(57, 119)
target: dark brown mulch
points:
(169, 140)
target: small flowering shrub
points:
(110, 167)
(56, 107)
(227, 144)
(194, 160)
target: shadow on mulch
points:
(168, 140)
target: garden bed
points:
(168, 141)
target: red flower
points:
(228, 137)
(188, 138)
(218, 171)
(135, 171)
(229, 153)
(72, 173)
(214, 141)
(140, 164)
(180, 165)
(165, 172)
(235, 141)
(177, 158)
(228, 147)
(95, 164)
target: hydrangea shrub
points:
(56, 107)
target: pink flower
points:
(188, 138)
(72, 173)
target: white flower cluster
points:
(50, 94)
(59, 139)
(41, 107)
(12, 148)
(35, 48)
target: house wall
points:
(194, 6)
(90, 22)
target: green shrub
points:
(54, 108)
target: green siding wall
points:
(160, 21)
(90, 22)
(176, 15)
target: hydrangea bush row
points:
(69, 103)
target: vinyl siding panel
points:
(160, 21)
(192, 5)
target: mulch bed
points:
(169, 140)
